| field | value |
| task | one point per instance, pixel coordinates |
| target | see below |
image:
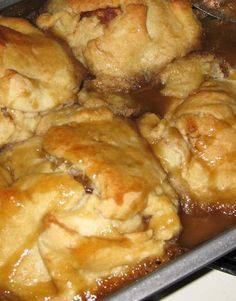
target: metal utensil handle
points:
(217, 13)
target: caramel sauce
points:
(151, 100)
(197, 229)
(219, 38)
(41, 291)
(44, 291)
(197, 226)
(111, 284)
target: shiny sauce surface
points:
(219, 38)
(151, 100)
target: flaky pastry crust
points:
(92, 202)
(196, 145)
(185, 75)
(36, 72)
(36, 75)
(119, 104)
(71, 114)
(123, 43)
(16, 125)
(25, 158)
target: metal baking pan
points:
(171, 273)
(178, 269)
(7, 3)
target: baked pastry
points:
(185, 75)
(196, 145)
(104, 208)
(119, 104)
(37, 67)
(5, 177)
(25, 158)
(89, 101)
(36, 75)
(71, 114)
(24, 208)
(123, 43)
(16, 125)
(100, 139)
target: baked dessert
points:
(5, 177)
(85, 205)
(36, 75)
(196, 145)
(184, 76)
(119, 104)
(16, 125)
(124, 44)
(25, 158)
(69, 115)
(92, 203)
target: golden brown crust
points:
(75, 235)
(119, 104)
(23, 207)
(36, 73)
(196, 144)
(132, 45)
(90, 5)
(25, 158)
(16, 125)
(95, 147)
(72, 114)
(185, 75)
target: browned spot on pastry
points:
(6, 114)
(104, 15)
(191, 124)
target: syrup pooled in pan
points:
(220, 38)
(196, 228)
(151, 100)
